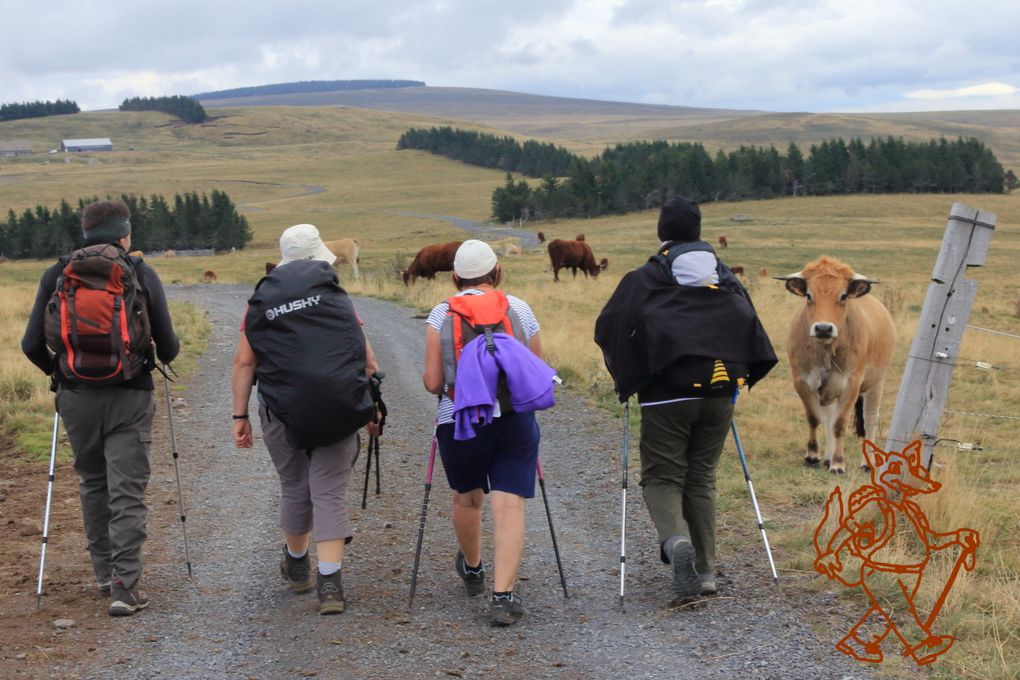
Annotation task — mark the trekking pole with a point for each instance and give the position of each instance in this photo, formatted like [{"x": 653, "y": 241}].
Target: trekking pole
[
  {"x": 754, "y": 501},
  {"x": 552, "y": 531},
  {"x": 46, "y": 518},
  {"x": 177, "y": 469},
  {"x": 623, "y": 513},
  {"x": 421, "y": 523},
  {"x": 375, "y": 383},
  {"x": 368, "y": 468}
]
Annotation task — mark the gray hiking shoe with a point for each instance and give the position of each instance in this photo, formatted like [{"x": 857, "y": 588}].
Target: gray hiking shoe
[
  {"x": 707, "y": 584},
  {"x": 506, "y": 610},
  {"x": 296, "y": 572},
  {"x": 126, "y": 602},
  {"x": 331, "y": 593},
  {"x": 686, "y": 582},
  {"x": 474, "y": 580},
  {"x": 105, "y": 589}
]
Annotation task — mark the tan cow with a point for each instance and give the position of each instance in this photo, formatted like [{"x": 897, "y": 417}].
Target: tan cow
[
  {"x": 346, "y": 250},
  {"x": 840, "y": 345}
]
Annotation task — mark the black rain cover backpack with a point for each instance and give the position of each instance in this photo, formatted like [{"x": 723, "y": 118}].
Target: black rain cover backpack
[{"x": 310, "y": 353}]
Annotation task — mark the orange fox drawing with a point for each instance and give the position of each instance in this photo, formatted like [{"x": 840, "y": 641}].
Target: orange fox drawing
[{"x": 854, "y": 545}]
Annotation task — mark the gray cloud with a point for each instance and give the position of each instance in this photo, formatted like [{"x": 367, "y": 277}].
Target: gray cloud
[{"x": 821, "y": 55}]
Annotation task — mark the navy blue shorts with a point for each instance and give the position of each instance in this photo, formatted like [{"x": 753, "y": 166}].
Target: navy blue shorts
[{"x": 502, "y": 457}]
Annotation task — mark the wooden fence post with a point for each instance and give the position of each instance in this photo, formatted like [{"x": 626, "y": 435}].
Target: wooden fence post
[{"x": 936, "y": 344}]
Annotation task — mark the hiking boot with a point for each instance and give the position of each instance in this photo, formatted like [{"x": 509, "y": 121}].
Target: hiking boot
[
  {"x": 686, "y": 582},
  {"x": 707, "y": 584},
  {"x": 474, "y": 580},
  {"x": 506, "y": 610},
  {"x": 297, "y": 572},
  {"x": 126, "y": 602},
  {"x": 105, "y": 589},
  {"x": 331, "y": 593}
]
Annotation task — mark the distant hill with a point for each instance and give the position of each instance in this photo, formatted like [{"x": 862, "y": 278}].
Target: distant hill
[
  {"x": 588, "y": 125},
  {"x": 305, "y": 86}
]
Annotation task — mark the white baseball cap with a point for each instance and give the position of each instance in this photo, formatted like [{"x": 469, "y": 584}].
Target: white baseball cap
[
  {"x": 302, "y": 242},
  {"x": 474, "y": 259}
]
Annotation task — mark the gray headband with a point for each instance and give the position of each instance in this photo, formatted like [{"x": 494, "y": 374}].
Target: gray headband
[{"x": 109, "y": 231}]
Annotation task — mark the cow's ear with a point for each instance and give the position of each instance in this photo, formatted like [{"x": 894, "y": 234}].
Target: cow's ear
[
  {"x": 858, "y": 286},
  {"x": 796, "y": 285}
]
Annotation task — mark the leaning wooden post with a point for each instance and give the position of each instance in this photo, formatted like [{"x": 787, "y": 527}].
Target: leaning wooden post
[{"x": 936, "y": 344}]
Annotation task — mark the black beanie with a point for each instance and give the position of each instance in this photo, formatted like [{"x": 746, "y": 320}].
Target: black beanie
[{"x": 680, "y": 220}]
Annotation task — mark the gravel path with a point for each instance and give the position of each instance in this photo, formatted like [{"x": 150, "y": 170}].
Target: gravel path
[{"x": 235, "y": 619}]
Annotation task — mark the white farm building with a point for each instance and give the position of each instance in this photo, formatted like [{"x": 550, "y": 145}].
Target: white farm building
[{"x": 99, "y": 144}]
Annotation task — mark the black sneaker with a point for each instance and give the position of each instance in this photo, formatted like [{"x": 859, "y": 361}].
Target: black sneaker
[
  {"x": 506, "y": 610},
  {"x": 331, "y": 593},
  {"x": 474, "y": 580},
  {"x": 297, "y": 572},
  {"x": 686, "y": 582},
  {"x": 126, "y": 602}
]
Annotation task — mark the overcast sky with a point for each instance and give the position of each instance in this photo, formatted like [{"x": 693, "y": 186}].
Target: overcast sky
[{"x": 776, "y": 55}]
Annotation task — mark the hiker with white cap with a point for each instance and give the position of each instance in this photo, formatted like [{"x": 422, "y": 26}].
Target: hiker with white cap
[
  {"x": 303, "y": 341},
  {"x": 486, "y": 447}
]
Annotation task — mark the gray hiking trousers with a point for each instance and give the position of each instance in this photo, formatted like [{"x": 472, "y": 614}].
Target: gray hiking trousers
[
  {"x": 110, "y": 430},
  {"x": 680, "y": 447}
]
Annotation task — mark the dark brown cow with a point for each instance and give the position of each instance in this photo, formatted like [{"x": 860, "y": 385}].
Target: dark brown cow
[
  {"x": 541, "y": 237},
  {"x": 579, "y": 237},
  {"x": 437, "y": 257},
  {"x": 575, "y": 255},
  {"x": 209, "y": 276},
  {"x": 737, "y": 269},
  {"x": 724, "y": 242},
  {"x": 270, "y": 266}
]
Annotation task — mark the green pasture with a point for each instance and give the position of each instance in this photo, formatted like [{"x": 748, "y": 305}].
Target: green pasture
[{"x": 338, "y": 169}]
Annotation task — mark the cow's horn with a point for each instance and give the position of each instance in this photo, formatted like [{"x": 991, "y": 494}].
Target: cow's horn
[
  {"x": 861, "y": 277},
  {"x": 797, "y": 275}
]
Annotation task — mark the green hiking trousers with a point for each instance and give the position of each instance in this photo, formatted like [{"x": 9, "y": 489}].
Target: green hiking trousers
[{"x": 681, "y": 442}]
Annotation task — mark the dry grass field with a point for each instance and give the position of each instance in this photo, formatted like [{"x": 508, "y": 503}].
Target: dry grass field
[{"x": 337, "y": 168}]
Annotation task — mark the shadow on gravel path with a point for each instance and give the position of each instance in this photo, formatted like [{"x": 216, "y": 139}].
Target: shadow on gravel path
[{"x": 235, "y": 619}]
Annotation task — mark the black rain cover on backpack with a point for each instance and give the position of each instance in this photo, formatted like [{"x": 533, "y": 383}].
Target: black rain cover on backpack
[{"x": 310, "y": 353}]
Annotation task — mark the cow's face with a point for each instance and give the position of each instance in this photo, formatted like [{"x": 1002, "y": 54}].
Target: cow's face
[{"x": 826, "y": 285}]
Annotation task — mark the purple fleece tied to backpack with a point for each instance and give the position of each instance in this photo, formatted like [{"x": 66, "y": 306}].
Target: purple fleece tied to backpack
[{"x": 529, "y": 379}]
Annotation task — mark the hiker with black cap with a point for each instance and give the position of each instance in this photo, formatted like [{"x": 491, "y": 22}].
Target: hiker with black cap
[
  {"x": 485, "y": 426},
  {"x": 681, "y": 332},
  {"x": 96, "y": 315},
  {"x": 303, "y": 342}
]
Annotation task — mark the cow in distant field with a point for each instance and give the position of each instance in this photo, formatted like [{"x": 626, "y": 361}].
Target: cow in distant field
[
  {"x": 541, "y": 237},
  {"x": 840, "y": 345},
  {"x": 763, "y": 272},
  {"x": 270, "y": 266},
  {"x": 346, "y": 250},
  {"x": 169, "y": 253},
  {"x": 209, "y": 276},
  {"x": 737, "y": 269},
  {"x": 579, "y": 237},
  {"x": 724, "y": 242},
  {"x": 437, "y": 257},
  {"x": 512, "y": 249},
  {"x": 575, "y": 255},
  {"x": 135, "y": 253}
]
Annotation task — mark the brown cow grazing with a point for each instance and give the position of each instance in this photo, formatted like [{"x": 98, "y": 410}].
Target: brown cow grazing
[
  {"x": 346, "y": 250},
  {"x": 840, "y": 345},
  {"x": 575, "y": 255},
  {"x": 541, "y": 237},
  {"x": 270, "y": 266},
  {"x": 169, "y": 253},
  {"x": 579, "y": 237},
  {"x": 437, "y": 257},
  {"x": 724, "y": 242},
  {"x": 764, "y": 271},
  {"x": 737, "y": 269},
  {"x": 209, "y": 276}
]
